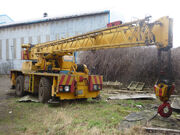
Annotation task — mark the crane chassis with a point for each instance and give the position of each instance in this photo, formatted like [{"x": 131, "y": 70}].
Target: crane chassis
[{"x": 50, "y": 70}]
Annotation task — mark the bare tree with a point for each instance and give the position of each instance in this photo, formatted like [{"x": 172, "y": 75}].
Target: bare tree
[{"x": 129, "y": 64}]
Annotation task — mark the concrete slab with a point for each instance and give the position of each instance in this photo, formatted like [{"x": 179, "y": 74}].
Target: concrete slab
[
  {"x": 28, "y": 99},
  {"x": 134, "y": 96},
  {"x": 176, "y": 103}
]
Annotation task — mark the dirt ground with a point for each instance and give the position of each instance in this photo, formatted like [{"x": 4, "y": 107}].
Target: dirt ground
[
  {"x": 4, "y": 87},
  {"x": 5, "y": 94},
  {"x": 16, "y": 118}
]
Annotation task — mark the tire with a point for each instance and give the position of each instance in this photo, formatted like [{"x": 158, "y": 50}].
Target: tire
[
  {"x": 20, "y": 86},
  {"x": 44, "y": 93},
  {"x": 97, "y": 98}
]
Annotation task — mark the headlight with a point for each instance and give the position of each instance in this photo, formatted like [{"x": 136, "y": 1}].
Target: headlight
[
  {"x": 95, "y": 87},
  {"x": 60, "y": 88},
  {"x": 99, "y": 87},
  {"x": 66, "y": 88}
]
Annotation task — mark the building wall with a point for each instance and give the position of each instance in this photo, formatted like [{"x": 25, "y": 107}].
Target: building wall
[{"x": 11, "y": 38}]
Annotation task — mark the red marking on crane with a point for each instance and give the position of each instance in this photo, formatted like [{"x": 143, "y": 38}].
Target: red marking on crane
[
  {"x": 73, "y": 86},
  {"x": 100, "y": 79},
  {"x": 114, "y": 24},
  {"x": 68, "y": 79},
  {"x": 90, "y": 84},
  {"x": 95, "y": 79},
  {"x": 27, "y": 53},
  {"x": 81, "y": 78},
  {"x": 160, "y": 92},
  {"x": 62, "y": 79}
]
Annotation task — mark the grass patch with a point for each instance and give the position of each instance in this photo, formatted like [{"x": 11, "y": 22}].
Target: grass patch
[{"x": 88, "y": 117}]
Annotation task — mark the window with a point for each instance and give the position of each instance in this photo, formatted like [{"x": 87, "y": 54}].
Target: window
[
  {"x": 30, "y": 40},
  {"x": 14, "y": 45},
  {"x": 68, "y": 58},
  {"x": 47, "y": 38},
  {"x": 39, "y": 39},
  {"x": 57, "y": 36},
  {"x": 22, "y": 40},
  {"x": 7, "y": 49}
]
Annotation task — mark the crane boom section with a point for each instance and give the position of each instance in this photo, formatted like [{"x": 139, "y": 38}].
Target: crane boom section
[{"x": 133, "y": 34}]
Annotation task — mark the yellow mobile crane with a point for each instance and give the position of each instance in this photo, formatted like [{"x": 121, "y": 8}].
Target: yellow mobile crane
[{"x": 51, "y": 71}]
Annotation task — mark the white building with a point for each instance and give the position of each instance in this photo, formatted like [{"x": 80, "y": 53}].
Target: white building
[{"x": 12, "y": 35}]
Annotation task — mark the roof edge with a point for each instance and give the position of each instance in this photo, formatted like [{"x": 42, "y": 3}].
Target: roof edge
[{"x": 48, "y": 19}]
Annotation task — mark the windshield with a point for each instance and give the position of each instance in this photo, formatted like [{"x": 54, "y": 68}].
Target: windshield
[{"x": 68, "y": 58}]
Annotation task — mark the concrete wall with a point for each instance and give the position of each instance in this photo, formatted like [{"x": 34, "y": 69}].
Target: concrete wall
[{"x": 11, "y": 38}]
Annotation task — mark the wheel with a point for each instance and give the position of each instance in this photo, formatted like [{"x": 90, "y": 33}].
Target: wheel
[
  {"x": 97, "y": 98},
  {"x": 20, "y": 86},
  {"x": 44, "y": 90}
]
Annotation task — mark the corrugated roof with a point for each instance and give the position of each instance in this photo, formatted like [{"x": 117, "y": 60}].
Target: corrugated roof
[{"x": 48, "y": 19}]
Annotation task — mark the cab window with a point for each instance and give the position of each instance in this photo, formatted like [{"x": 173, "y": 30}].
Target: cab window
[{"x": 68, "y": 58}]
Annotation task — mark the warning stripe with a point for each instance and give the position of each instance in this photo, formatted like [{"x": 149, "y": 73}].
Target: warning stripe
[
  {"x": 73, "y": 85},
  {"x": 71, "y": 80},
  {"x": 95, "y": 80},
  {"x": 100, "y": 79},
  {"x": 65, "y": 79},
  {"x": 62, "y": 79},
  {"x": 68, "y": 79},
  {"x": 92, "y": 79}
]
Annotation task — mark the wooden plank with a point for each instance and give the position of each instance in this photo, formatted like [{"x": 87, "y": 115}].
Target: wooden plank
[
  {"x": 125, "y": 91},
  {"x": 136, "y": 86},
  {"x": 162, "y": 130},
  {"x": 132, "y": 96}
]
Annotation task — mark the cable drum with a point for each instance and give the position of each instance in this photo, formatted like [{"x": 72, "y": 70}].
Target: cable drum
[{"x": 162, "y": 110}]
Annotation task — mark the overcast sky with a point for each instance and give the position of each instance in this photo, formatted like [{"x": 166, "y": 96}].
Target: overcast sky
[{"x": 125, "y": 10}]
